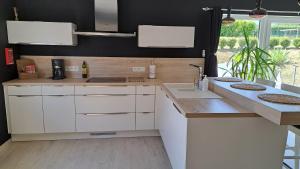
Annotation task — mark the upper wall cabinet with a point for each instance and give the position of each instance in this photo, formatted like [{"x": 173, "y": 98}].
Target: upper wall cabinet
[
  {"x": 41, "y": 33},
  {"x": 166, "y": 36}
]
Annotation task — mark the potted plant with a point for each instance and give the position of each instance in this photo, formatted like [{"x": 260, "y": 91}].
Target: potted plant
[{"x": 251, "y": 62}]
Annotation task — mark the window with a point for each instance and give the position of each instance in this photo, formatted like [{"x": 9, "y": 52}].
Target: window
[
  {"x": 279, "y": 35},
  {"x": 283, "y": 40},
  {"x": 232, "y": 39}
]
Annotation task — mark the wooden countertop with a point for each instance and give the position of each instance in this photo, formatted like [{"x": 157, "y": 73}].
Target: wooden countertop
[
  {"x": 73, "y": 82},
  {"x": 209, "y": 108},
  {"x": 281, "y": 114}
]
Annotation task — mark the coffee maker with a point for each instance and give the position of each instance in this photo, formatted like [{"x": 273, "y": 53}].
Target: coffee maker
[{"x": 58, "y": 69}]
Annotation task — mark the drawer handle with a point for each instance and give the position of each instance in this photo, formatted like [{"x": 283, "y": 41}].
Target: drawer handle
[
  {"x": 101, "y": 114},
  {"x": 177, "y": 108},
  {"x": 107, "y": 86},
  {"x": 24, "y": 85},
  {"x": 146, "y": 112},
  {"x": 105, "y": 95},
  {"x": 55, "y": 86},
  {"x": 57, "y": 95},
  {"x": 26, "y": 96}
]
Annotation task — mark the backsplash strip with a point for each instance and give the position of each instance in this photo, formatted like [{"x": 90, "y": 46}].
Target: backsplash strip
[{"x": 168, "y": 69}]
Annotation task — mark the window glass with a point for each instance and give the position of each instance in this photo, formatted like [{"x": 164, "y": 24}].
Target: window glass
[
  {"x": 284, "y": 47},
  {"x": 232, "y": 40}
]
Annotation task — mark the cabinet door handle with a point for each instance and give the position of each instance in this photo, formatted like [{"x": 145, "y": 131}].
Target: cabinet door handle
[
  {"x": 105, "y": 95},
  {"x": 102, "y": 114},
  {"x": 177, "y": 108}
]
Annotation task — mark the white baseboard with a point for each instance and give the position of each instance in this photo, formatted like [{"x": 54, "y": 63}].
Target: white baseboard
[{"x": 62, "y": 136}]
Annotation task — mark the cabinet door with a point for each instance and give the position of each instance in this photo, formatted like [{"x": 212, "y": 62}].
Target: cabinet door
[
  {"x": 105, "y": 122},
  {"x": 105, "y": 104},
  {"x": 26, "y": 114},
  {"x": 158, "y": 106},
  {"x": 145, "y": 121},
  {"x": 173, "y": 129},
  {"x": 59, "y": 114},
  {"x": 145, "y": 103},
  {"x": 145, "y": 89}
]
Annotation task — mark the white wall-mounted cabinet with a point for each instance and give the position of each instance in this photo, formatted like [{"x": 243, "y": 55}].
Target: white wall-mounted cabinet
[
  {"x": 150, "y": 36},
  {"x": 41, "y": 33}
]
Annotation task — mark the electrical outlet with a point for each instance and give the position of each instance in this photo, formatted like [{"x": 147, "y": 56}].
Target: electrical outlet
[
  {"x": 72, "y": 68},
  {"x": 138, "y": 69}
]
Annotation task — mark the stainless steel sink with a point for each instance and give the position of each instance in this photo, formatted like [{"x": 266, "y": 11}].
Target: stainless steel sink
[{"x": 107, "y": 80}]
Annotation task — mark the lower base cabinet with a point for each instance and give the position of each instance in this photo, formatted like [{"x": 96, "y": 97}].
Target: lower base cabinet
[
  {"x": 26, "y": 114},
  {"x": 173, "y": 130},
  {"x": 105, "y": 122},
  {"x": 145, "y": 121},
  {"x": 59, "y": 114}
]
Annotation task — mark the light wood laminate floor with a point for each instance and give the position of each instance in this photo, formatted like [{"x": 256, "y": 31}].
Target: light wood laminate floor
[{"x": 113, "y": 153}]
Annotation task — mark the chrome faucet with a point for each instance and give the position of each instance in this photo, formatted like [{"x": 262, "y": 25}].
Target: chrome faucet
[{"x": 200, "y": 77}]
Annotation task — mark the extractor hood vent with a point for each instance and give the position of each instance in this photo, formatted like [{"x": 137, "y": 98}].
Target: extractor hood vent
[
  {"x": 106, "y": 20},
  {"x": 106, "y": 15}
]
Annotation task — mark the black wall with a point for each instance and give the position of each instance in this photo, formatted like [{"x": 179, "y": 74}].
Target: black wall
[
  {"x": 7, "y": 72},
  {"x": 131, "y": 14}
]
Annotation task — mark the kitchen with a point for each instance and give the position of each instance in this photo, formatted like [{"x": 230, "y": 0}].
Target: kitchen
[{"x": 114, "y": 84}]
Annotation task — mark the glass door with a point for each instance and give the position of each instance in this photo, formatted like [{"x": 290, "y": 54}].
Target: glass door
[{"x": 283, "y": 41}]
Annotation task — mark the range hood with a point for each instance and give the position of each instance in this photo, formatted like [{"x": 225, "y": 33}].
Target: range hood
[{"x": 106, "y": 20}]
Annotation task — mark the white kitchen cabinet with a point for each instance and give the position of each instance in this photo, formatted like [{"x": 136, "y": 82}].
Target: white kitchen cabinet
[
  {"x": 173, "y": 130},
  {"x": 166, "y": 36},
  {"x": 145, "y": 103},
  {"x": 55, "y": 90},
  {"x": 24, "y": 90},
  {"x": 145, "y": 89},
  {"x": 59, "y": 114},
  {"x": 105, "y": 122},
  {"x": 93, "y": 90},
  {"x": 41, "y": 33},
  {"x": 144, "y": 120},
  {"x": 26, "y": 114},
  {"x": 105, "y": 104}
]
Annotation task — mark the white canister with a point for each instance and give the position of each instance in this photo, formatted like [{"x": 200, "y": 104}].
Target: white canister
[{"x": 152, "y": 71}]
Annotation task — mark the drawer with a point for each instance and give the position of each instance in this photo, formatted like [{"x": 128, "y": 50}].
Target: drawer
[
  {"x": 145, "y": 89},
  {"x": 145, "y": 121},
  {"x": 105, "y": 122},
  {"x": 105, "y": 103},
  {"x": 83, "y": 90},
  {"x": 57, "y": 90},
  {"x": 145, "y": 103},
  {"x": 24, "y": 90}
]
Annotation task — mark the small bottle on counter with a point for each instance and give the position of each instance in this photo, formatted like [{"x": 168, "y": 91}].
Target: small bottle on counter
[
  {"x": 84, "y": 70},
  {"x": 205, "y": 84}
]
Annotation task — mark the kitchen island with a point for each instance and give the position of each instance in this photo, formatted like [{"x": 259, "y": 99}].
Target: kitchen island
[{"x": 216, "y": 133}]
